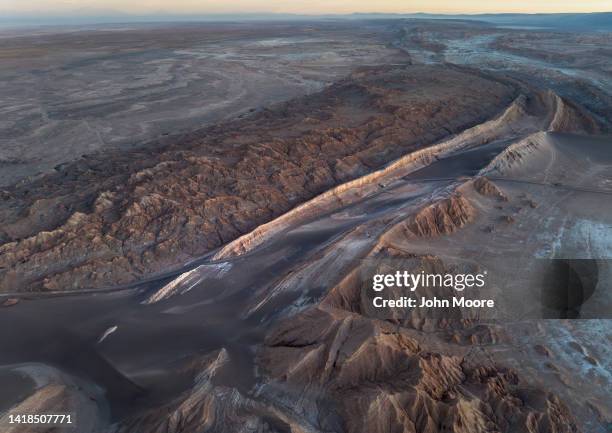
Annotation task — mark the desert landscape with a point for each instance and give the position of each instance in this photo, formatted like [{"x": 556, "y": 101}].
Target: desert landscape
[{"x": 190, "y": 215}]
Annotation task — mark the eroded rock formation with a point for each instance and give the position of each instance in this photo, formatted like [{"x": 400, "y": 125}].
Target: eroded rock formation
[{"x": 112, "y": 218}]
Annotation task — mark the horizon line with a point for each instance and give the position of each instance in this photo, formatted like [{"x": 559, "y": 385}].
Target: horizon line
[
  {"x": 82, "y": 13},
  {"x": 113, "y": 17}
]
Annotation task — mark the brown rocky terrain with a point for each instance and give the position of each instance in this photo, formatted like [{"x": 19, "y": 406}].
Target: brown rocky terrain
[
  {"x": 112, "y": 218},
  {"x": 428, "y": 169},
  {"x": 384, "y": 381},
  {"x": 443, "y": 217},
  {"x": 306, "y": 351}
]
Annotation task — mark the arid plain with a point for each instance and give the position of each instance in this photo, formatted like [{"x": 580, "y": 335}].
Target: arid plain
[{"x": 190, "y": 214}]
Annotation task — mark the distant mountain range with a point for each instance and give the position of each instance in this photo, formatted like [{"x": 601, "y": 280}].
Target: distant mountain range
[
  {"x": 597, "y": 21},
  {"x": 582, "y": 21}
]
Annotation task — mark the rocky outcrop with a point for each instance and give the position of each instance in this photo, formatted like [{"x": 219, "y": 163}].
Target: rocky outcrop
[
  {"x": 204, "y": 408},
  {"x": 485, "y": 187},
  {"x": 568, "y": 117},
  {"x": 54, "y": 393},
  {"x": 442, "y": 218},
  {"x": 382, "y": 380},
  {"x": 212, "y": 408},
  {"x": 515, "y": 154}
]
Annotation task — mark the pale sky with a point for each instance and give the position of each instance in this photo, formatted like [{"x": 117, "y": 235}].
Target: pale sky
[{"x": 301, "y": 6}]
